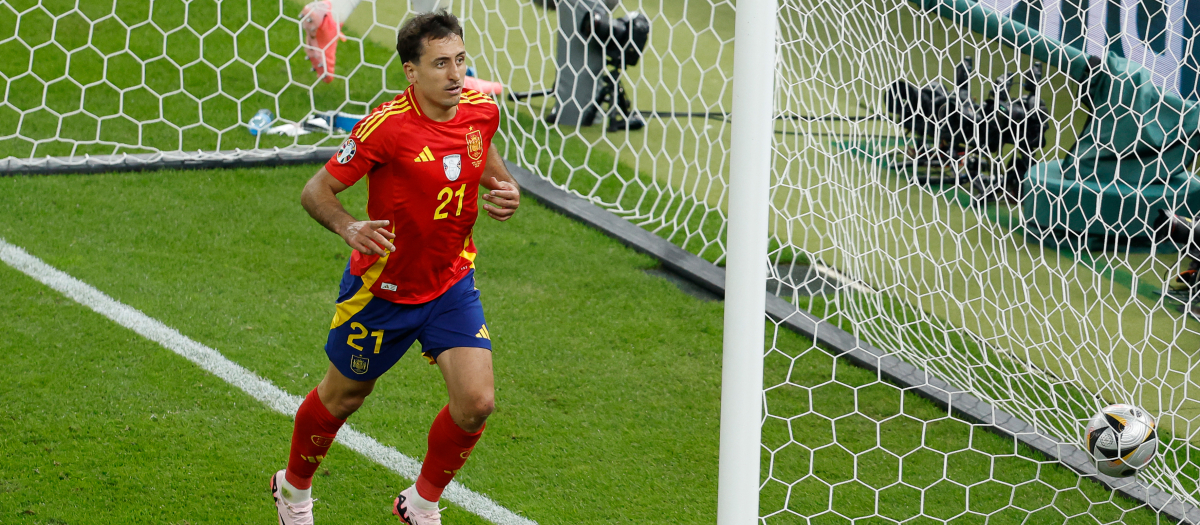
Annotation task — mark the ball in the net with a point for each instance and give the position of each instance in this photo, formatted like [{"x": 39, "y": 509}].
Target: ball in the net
[{"x": 1121, "y": 440}]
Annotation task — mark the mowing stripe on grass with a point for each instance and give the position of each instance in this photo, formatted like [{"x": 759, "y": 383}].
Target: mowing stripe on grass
[{"x": 233, "y": 373}]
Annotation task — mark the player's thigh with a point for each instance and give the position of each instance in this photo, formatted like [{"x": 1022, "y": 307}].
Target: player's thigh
[
  {"x": 469, "y": 376},
  {"x": 458, "y": 340},
  {"x": 456, "y": 321},
  {"x": 335, "y": 387}
]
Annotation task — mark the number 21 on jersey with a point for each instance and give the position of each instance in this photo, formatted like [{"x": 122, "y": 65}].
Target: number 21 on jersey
[{"x": 447, "y": 195}]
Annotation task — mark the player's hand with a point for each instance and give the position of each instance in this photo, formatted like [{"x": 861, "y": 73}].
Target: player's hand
[
  {"x": 369, "y": 237},
  {"x": 502, "y": 200}
]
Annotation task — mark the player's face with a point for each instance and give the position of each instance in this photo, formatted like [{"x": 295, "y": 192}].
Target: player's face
[{"x": 438, "y": 74}]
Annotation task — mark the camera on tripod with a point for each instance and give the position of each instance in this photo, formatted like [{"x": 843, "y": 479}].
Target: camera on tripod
[
  {"x": 953, "y": 130},
  {"x": 624, "y": 41}
]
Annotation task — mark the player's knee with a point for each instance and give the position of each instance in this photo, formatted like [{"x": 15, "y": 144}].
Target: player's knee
[
  {"x": 341, "y": 406},
  {"x": 350, "y": 404},
  {"x": 484, "y": 407},
  {"x": 477, "y": 409}
]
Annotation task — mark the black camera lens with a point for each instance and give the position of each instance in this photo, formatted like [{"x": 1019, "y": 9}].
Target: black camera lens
[{"x": 623, "y": 39}]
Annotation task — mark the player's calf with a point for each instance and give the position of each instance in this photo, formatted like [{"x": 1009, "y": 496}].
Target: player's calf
[
  {"x": 312, "y": 435},
  {"x": 449, "y": 447}
]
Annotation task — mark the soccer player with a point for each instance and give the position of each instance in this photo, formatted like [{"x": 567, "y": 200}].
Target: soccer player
[
  {"x": 411, "y": 274},
  {"x": 321, "y": 21}
]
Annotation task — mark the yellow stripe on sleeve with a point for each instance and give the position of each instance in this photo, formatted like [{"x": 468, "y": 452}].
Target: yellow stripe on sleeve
[
  {"x": 476, "y": 97},
  {"x": 367, "y": 125},
  {"x": 374, "y": 116},
  {"x": 367, "y": 132}
]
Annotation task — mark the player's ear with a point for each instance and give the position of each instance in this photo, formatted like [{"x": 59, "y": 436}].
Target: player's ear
[{"x": 410, "y": 72}]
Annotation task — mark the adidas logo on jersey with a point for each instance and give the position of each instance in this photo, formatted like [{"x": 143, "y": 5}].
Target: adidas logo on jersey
[
  {"x": 484, "y": 334},
  {"x": 425, "y": 155}
]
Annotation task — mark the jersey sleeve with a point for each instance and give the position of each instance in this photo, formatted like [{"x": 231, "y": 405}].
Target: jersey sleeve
[
  {"x": 493, "y": 120},
  {"x": 356, "y": 157}
]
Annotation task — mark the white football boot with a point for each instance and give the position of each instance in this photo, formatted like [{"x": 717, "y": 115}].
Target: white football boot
[{"x": 290, "y": 513}]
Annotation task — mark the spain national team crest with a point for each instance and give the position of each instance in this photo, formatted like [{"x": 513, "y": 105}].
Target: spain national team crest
[
  {"x": 475, "y": 144},
  {"x": 346, "y": 152},
  {"x": 453, "y": 166},
  {"x": 359, "y": 364}
]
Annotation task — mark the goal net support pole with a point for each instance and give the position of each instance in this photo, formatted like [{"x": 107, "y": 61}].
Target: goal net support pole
[{"x": 745, "y": 285}]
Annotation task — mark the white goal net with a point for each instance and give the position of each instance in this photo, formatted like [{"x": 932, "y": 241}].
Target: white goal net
[
  {"x": 1000, "y": 206},
  {"x": 923, "y": 200},
  {"x": 954, "y": 184}
]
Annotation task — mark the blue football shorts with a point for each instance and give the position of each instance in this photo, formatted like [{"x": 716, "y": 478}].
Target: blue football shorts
[{"x": 370, "y": 341}]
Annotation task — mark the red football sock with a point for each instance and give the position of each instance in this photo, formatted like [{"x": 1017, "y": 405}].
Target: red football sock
[
  {"x": 449, "y": 448},
  {"x": 311, "y": 438}
]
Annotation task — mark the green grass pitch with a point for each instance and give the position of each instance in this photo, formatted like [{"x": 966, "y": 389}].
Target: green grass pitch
[{"x": 607, "y": 379}]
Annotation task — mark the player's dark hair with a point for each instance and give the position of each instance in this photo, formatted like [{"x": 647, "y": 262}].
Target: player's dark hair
[{"x": 410, "y": 40}]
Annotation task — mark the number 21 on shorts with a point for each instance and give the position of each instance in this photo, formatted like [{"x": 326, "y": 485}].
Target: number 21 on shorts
[{"x": 361, "y": 332}]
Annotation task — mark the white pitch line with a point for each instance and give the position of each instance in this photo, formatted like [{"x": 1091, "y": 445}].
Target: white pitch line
[{"x": 233, "y": 373}]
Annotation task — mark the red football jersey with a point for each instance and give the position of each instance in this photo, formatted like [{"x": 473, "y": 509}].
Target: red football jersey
[{"x": 423, "y": 176}]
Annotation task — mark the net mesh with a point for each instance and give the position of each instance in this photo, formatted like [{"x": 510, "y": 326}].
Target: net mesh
[
  {"x": 105, "y": 77},
  {"x": 924, "y": 195},
  {"x": 667, "y": 177},
  {"x": 910, "y": 235},
  {"x": 906, "y": 227}
]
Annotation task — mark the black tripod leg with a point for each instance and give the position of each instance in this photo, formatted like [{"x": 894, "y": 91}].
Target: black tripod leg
[{"x": 624, "y": 118}]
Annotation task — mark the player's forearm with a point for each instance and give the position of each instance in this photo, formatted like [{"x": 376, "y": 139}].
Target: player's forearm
[
  {"x": 495, "y": 168},
  {"x": 322, "y": 205}
]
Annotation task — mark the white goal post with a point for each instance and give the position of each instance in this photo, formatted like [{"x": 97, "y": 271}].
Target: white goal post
[{"x": 746, "y": 275}]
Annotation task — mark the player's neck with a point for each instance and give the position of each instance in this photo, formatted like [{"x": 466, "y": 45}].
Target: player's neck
[{"x": 434, "y": 111}]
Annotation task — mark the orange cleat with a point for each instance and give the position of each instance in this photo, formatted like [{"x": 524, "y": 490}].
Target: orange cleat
[{"x": 321, "y": 35}]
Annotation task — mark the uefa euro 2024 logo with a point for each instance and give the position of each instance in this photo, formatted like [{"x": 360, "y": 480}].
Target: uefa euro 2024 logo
[{"x": 452, "y": 164}]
